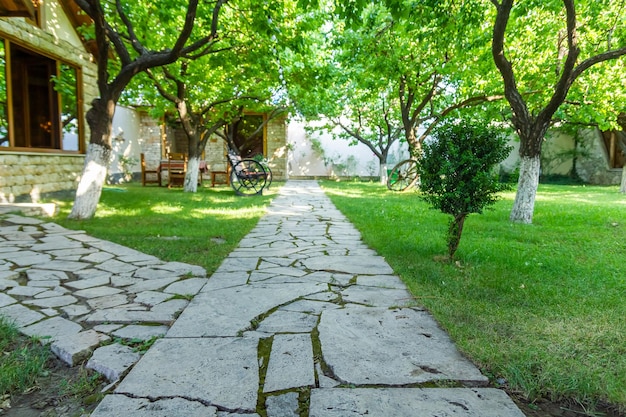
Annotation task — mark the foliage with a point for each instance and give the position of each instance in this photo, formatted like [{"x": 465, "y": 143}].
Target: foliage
[
  {"x": 197, "y": 228},
  {"x": 536, "y": 308},
  {"x": 457, "y": 173},
  {"x": 22, "y": 360}
]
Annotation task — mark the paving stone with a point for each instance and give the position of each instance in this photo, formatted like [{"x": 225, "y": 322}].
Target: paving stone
[
  {"x": 120, "y": 405},
  {"x": 372, "y": 265},
  {"x": 119, "y": 315},
  {"x": 27, "y": 258},
  {"x": 6, "y": 300},
  {"x": 172, "y": 307},
  {"x": 95, "y": 292},
  {"x": 115, "y": 266},
  {"x": 57, "y": 292},
  {"x": 138, "y": 258},
  {"x": 56, "y": 265},
  {"x": 51, "y": 243},
  {"x": 180, "y": 269},
  {"x": 138, "y": 332},
  {"x": 75, "y": 348},
  {"x": 107, "y": 328},
  {"x": 52, "y": 283},
  {"x": 222, "y": 371},
  {"x": 366, "y": 346},
  {"x": 50, "y": 302},
  {"x": 382, "y": 281},
  {"x": 291, "y": 363},
  {"x": 124, "y": 281},
  {"x": 26, "y": 291},
  {"x": 108, "y": 301},
  {"x": 220, "y": 280},
  {"x": 44, "y": 275},
  {"x": 309, "y": 306},
  {"x": 378, "y": 297},
  {"x": 288, "y": 322},
  {"x": 15, "y": 219},
  {"x": 74, "y": 252},
  {"x": 7, "y": 283},
  {"x": 113, "y": 360},
  {"x": 285, "y": 405},
  {"x": 9, "y": 275},
  {"x": 227, "y": 312},
  {"x": 410, "y": 402},
  {"x": 323, "y": 380},
  {"x": 20, "y": 315},
  {"x": 50, "y": 312},
  {"x": 154, "y": 274},
  {"x": 91, "y": 273},
  {"x": 191, "y": 286},
  {"x": 53, "y": 329},
  {"x": 151, "y": 284},
  {"x": 151, "y": 298},
  {"x": 96, "y": 257},
  {"x": 82, "y": 284},
  {"x": 75, "y": 310}
]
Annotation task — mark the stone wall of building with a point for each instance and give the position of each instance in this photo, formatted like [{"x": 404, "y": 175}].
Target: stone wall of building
[
  {"x": 25, "y": 176},
  {"x": 275, "y": 144},
  {"x": 277, "y": 147}
]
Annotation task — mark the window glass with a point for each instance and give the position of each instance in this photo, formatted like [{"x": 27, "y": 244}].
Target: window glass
[
  {"x": 67, "y": 88},
  {"x": 43, "y": 94}
]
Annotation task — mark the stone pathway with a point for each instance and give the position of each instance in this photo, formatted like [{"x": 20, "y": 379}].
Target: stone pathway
[{"x": 302, "y": 319}]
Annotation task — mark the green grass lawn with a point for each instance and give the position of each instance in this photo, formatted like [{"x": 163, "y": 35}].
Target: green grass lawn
[
  {"x": 199, "y": 228},
  {"x": 541, "y": 306}
]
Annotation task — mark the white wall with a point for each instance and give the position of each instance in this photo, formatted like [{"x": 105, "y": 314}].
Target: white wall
[
  {"x": 125, "y": 139},
  {"x": 341, "y": 158}
]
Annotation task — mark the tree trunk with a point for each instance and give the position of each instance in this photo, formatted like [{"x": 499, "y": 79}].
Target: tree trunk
[
  {"x": 622, "y": 188},
  {"x": 90, "y": 186},
  {"x": 524, "y": 204},
  {"x": 191, "y": 177},
  {"x": 97, "y": 160},
  {"x": 383, "y": 172},
  {"x": 454, "y": 233}
]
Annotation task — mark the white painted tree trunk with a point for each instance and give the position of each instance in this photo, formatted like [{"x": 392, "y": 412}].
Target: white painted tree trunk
[
  {"x": 383, "y": 173},
  {"x": 191, "y": 177},
  {"x": 97, "y": 161},
  {"x": 622, "y": 188},
  {"x": 524, "y": 205}
]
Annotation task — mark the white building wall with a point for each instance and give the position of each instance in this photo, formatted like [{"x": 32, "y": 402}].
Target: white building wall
[{"x": 314, "y": 153}]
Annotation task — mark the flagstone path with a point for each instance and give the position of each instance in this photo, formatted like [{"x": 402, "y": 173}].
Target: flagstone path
[{"x": 302, "y": 319}]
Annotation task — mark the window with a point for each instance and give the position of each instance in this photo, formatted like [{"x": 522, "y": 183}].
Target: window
[{"x": 39, "y": 101}]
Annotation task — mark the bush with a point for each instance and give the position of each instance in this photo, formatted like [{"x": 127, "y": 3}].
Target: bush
[{"x": 457, "y": 174}]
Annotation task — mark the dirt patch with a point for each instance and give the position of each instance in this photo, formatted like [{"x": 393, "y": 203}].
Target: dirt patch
[
  {"x": 561, "y": 409},
  {"x": 50, "y": 397}
]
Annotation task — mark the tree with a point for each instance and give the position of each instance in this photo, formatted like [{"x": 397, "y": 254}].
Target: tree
[
  {"x": 130, "y": 39},
  {"x": 406, "y": 66},
  {"x": 456, "y": 172},
  {"x": 536, "y": 91}
]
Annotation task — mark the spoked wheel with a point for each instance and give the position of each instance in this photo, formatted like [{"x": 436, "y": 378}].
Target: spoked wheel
[
  {"x": 403, "y": 176},
  {"x": 248, "y": 177}
]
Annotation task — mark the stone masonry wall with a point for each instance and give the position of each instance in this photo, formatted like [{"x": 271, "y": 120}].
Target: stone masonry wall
[
  {"x": 24, "y": 176},
  {"x": 27, "y": 177},
  {"x": 276, "y": 145},
  {"x": 277, "y": 149}
]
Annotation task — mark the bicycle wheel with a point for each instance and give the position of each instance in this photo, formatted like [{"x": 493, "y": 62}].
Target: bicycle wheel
[
  {"x": 403, "y": 176},
  {"x": 248, "y": 177}
]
